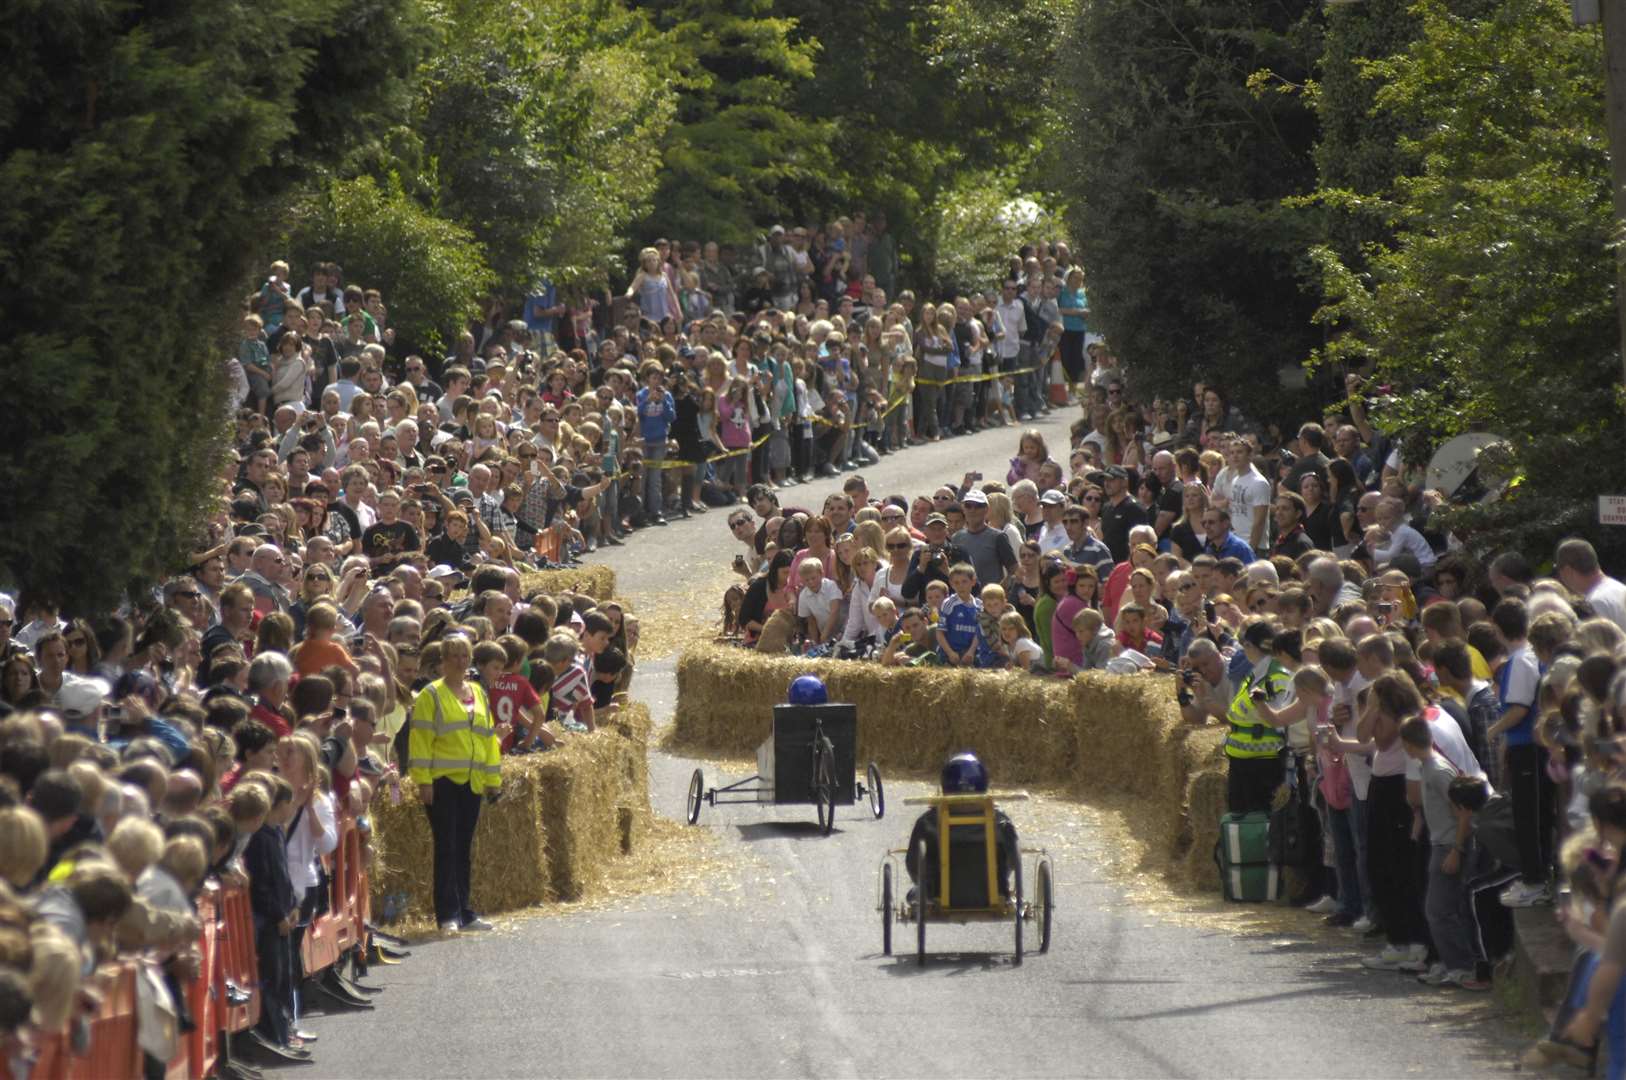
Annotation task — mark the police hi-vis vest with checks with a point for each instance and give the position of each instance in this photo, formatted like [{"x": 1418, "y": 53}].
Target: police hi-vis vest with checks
[
  {"x": 1249, "y": 736},
  {"x": 445, "y": 740}
]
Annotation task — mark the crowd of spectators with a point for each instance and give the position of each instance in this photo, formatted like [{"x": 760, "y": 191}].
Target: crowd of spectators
[{"x": 1434, "y": 724}]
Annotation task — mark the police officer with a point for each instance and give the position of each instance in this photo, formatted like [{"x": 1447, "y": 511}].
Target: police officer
[{"x": 1254, "y": 743}]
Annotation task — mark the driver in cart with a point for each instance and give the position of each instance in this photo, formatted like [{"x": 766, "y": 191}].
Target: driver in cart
[{"x": 963, "y": 774}]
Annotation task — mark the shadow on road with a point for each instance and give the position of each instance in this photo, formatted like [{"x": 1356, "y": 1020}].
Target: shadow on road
[
  {"x": 781, "y": 830},
  {"x": 952, "y": 963}
]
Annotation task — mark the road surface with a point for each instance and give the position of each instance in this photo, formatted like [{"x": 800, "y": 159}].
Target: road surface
[{"x": 773, "y": 967}]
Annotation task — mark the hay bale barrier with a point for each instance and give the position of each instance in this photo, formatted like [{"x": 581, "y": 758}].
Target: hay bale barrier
[
  {"x": 587, "y": 580},
  {"x": 562, "y": 818},
  {"x": 1095, "y": 736}
]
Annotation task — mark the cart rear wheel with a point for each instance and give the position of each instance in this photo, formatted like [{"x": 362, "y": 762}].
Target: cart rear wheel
[
  {"x": 877, "y": 794},
  {"x": 697, "y": 794},
  {"x": 1047, "y": 906},
  {"x": 886, "y": 909},
  {"x": 1018, "y": 919},
  {"x": 920, "y": 904},
  {"x": 824, "y": 784}
]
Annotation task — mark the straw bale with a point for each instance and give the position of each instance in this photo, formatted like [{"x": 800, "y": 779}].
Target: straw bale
[
  {"x": 592, "y": 580},
  {"x": 509, "y": 867},
  {"x": 562, "y": 817},
  {"x": 1113, "y": 738},
  {"x": 590, "y": 805},
  {"x": 1205, "y": 805}
]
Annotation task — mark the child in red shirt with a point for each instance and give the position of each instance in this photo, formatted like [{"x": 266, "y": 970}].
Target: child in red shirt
[{"x": 515, "y": 706}]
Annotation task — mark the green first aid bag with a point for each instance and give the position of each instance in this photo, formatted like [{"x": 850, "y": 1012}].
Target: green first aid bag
[{"x": 1243, "y": 855}]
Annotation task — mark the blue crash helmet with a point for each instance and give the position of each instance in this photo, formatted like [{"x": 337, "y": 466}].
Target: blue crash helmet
[
  {"x": 964, "y": 774},
  {"x": 807, "y": 690}
]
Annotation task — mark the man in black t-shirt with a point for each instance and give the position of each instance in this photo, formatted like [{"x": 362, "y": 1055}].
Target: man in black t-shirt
[
  {"x": 1119, "y": 512},
  {"x": 1170, "y": 500},
  {"x": 389, "y": 540}
]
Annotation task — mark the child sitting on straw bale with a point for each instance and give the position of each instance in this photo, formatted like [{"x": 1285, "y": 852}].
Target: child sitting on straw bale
[
  {"x": 1100, "y": 644},
  {"x": 514, "y": 703},
  {"x": 1021, "y": 650},
  {"x": 570, "y": 698},
  {"x": 991, "y": 650},
  {"x": 936, "y": 593},
  {"x": 819, "y": 605},
  {"x": 886, "y": 614}
]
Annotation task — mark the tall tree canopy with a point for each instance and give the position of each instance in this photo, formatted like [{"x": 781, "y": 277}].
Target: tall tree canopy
[
  {"x": 143, "y": 150},
  {"x": 737, "y": 143},
  {"x": 1492, "y": 309},
  {"x": 1175, "y": 169}
]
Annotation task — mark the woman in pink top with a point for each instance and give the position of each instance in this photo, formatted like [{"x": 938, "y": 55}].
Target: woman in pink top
[
  {"x": 1082, "y": 586},
  {"x": 819, "y": 546}
]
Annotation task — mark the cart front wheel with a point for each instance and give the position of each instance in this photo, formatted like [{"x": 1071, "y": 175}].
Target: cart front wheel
[
  {"x": 697, "y": 794},
  {"x": 921, "y": 888},
  {"x": 1018, "y": 920},
  {"x": 886, "y": 910},
  {"x": 1047, "y": 906},
  {"x": 877, "y": 794},
  {"x": 824, "y": 784}
]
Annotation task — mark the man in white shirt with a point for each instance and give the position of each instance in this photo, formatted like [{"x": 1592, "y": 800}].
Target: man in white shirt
[
  {"x": 1053, "y": 533},
  {"x": 1011, "y": 321},
  {"x": 1247, "y": 493},
  {"x": 1577, "y": 566}
]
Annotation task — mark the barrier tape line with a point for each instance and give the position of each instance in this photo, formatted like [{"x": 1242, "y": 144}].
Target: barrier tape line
[{"x": 679, "y": 463}]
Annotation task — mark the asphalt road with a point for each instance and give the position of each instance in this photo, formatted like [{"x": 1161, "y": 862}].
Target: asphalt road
[{"x": 773, "y": 966}]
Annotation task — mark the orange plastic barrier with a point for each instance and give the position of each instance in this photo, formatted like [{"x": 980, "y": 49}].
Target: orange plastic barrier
[
  {"x": 227, "y": 946},
  {"x": 342, "y": 925}
]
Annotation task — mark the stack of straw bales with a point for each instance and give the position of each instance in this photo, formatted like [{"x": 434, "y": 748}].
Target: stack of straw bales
[
  {"x": 1099, "y": 735},
  {"x": 591, "y": 580},
  {"x": 563, "y": 816}
]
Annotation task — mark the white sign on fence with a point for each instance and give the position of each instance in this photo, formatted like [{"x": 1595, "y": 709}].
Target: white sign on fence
[{"x": 1612, "y": 509}]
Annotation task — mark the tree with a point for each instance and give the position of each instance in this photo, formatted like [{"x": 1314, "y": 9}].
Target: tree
[
  {"x": 142, "y": 149},
  {"x": 737, "y": 144},
  {"x": 919, "y": 96},
  {"x": 539, "y": 122},
  {"x": 1493, "y": 309},
  {"x": 433, "y": 271},
  {"x": 1359, "y": 155},
  {"x": 976, "y": 226},
  {"x": 1174, "y": 171}
]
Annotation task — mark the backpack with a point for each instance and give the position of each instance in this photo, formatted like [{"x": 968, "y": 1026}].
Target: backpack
[{"x": 1248, "y": 874}]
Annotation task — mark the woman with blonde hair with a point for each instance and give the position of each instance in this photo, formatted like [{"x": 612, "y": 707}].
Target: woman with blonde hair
[
  {"x": 1000, "y": 513},
  {"x": 936, "y": 344},
  {"x": 900, "y": 547}
]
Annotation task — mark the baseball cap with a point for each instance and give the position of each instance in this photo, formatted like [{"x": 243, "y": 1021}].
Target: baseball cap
[
  {"x": 442, "y": 571},
  {"x": 974, "y": 497},
  {"x": 1116, "y": 472},
  {"x": 1053, "y": 497},
  {"x": 80, "y": 696},
  {"x": 936, "y": 519}
]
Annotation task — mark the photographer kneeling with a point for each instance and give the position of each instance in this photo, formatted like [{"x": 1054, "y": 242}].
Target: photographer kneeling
[{"x": 1205, "y": 690}]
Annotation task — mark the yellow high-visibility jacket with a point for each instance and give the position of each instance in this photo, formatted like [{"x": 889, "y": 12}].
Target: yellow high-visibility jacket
[{"x": 446, "y": 740}]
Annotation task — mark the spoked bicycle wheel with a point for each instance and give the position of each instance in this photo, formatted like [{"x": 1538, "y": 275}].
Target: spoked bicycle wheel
[
  {"x": 697, "y": 794},
  {"x": 877, "y": 794},
  {"x": 824, "y": 783},
  {"x": 886, "y": 910},
  {"x": 1047, "y": 905},
  {"x": 1018, "y": 919}
]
